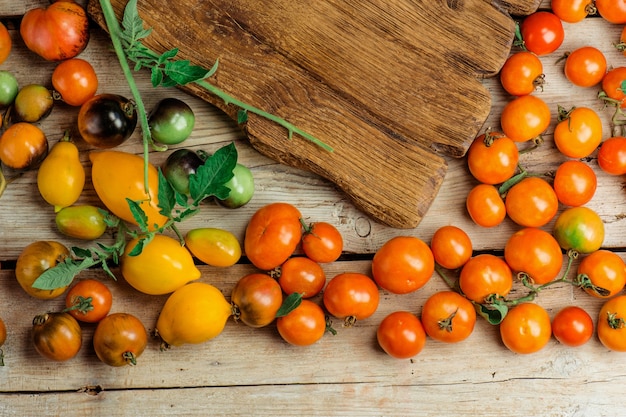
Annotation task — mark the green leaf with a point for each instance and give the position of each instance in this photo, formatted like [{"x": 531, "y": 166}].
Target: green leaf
[
  {"x": 81, "y": 252},
  {"x": 138, "y": 214},
  {"x": 133, "y": 24},
  {"x": 182, "y": 72},
  {"x": 141, "y": 243},
  {"x": 167, "y": 196},
  {"x": 493, "y": 313},
  {"x": 210, "y": 177},
  {"x": 156, "y": 76},
  {"x": 62, "y": 274},
  {"x": 167, "y": 55},
  {"x": 290, "y": 303},
  {"x": 242, "y": 116}
]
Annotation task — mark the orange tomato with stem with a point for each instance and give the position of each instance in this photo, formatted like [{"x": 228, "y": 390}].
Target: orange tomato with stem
[
  {"x": 522, "y": 73},
  {"x": 578, "y": 132},
  {"x": 611, "y": 327},
  {"x": 534, "y": 252},
  {"x": 485, "y": 275},
  {"x": 613, "y": 84},
  {"x": 602, "y": 274},
  {"x": 75, "y": 81},
  {"x": 322, "y": 242},
  {"x": 351, "y": 296},
  {"x": 572, "y": 11},
  {"x": 304, "y": 325},
  {"x": 492, "y": 158},
  {"x": 448, "y": 317}
]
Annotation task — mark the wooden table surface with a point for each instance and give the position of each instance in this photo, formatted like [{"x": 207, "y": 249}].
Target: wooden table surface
[{"x": 249, "y": 371}]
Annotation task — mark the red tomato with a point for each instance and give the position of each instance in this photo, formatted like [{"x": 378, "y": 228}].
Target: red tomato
[
  {"x": 614, "y": 11},
  {"x": 602, "y": 274},
  {"x": 304, "y": 325},
  {"x": 542, "y": 32},
  {"x": 485, "y": 206},
  {"x": 89, "y": 300},
  {"x": 401, "y": 335},
  {"x": 492, "y": 158},
  {"x": 448, "y": 317},
  {"x": 301, "y": 275},
  {"x": 579, "y": 229},
  {"x": 322, "y": 242},
  {"x": 585, "y": 66},
  {"x": 613, "y": 84},
  {"x": 531, "y": 202},
  {"x": 526, "y": 328},
  {"x": 522, "y": 73},
  {"x": 572, "y": 11},
  {"x": 611, "y": 327},
  {"x": 575, "y": 183},
  {"x": 403, "y": 264},
  {"x": 612, "y": 155},
  {"x": 485, "y": 275},
  {"x": 451, "y": 247},
  {"x": 272, "y": 235},
  {"x": 525, "y": 118},
  {"x": 578, "y": 132},
  {"x": 257, "y": 298},
  {"x": 534, "y": 252},
  {"x": 75, "y": 80},
  {"x": 351, "y": 296},
  {"x": 572, "y": 326}
]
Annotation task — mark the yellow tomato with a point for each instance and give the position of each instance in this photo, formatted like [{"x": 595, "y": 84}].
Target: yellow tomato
[
  {"x": 215, "y": 247},
  {"x": 163, "y": 266},
  {"x": 61, "y": 176},
  {"x": 81, "y": 222},
  {"x": 194, "y": 313}
]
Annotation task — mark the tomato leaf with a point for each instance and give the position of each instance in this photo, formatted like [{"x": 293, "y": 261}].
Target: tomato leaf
[
  {"x": 290, "y": 303},
  {"x": 167, "y": 197},
  {"x": 182, "y": 72},
  {"x": 493, "y": 313},
  {"x": 210, "y": 177},
  {"x": 138, "y": 214},
  {"x": 63, "y": 273}
]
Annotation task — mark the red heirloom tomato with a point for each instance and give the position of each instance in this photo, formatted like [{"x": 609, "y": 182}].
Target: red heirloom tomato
[
  {"x": 75, "y": 80},
  {"x": 401, "y": 335},
  {"x": 485, "y": 206},
  {"x": 57, "y": 336},
  {"x": 542, "y": 32},
  {"x": 534, "y": 252},
  {"x": 574, "y": 183},
  {"x": 351, "y": 296},
  {"x": 58, "y": 32},
  {"x": 119, "y": 339},
  {"x": 257, "y": 298},
  {"x": 612, "y": 84},
  {"x": 572, "y": 326},
  {"x": 301, "y": 275},
  {"x": 403, "y": 264},
  {"x": 525, "y": 118},
  {"x": 585, "y": 66},
  {"x": 451, "y": 247},
  {"x": 526, "y": 328},
  {"x": 580, "y": 229},
  {"x": 522, "y": 73},
  {"x": 272, "y": 235},
  {"x": 602, "y": 273},
  {"x": 611, "y": 327},
  {"x": 612, "y": 155},
  {"x": 322, "y": 242},
  {"x": 484, "y": 275},
  {"x": 613, "y": 11},
  {"x": 531, "y": 202},
  {"x": 572, "y": 11},
  {"x": 89, "y": 300},
  {"x": 578, "y": 132},
  {"x": 448, "y": 317},
  {"x": 492, "y": 158},
  {"x": 304, "y": 325}
]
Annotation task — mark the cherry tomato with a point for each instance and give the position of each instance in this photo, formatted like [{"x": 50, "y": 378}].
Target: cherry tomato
[
  {"x": 304, "y": 325},
  {"x": 23, "y": 146},
  {"x": 542, "y": 32},
  {"x": 241, "y": 187},
  {"x": 578, "y": 132},
  {"x": 401, "y": 335},
  {"x": 403, "y": 264},
  {"x": 107, "y": 120},
  {"x": 451, "y": 247},
  {"x": 534, "y": 252},
  {"x": 580, "y": 229},
  {"x": 171, "y": 121},
  {"x": 572, "y": 326},
  {"x": 611, "y": 327},
  {"x": 89, "y": 300},
  {"x": 585, "y": 66},
  {"x": 32, "y": 103},
  {"x": 531, "y": 202},
  {"x": 572, "y": 11},
  {"x": 492, "y": 158},
  {"x": 322, "y": 242},
  {"x": 58, "y": 32},
  {"x": 257, "y": 298},
  {"x": 485, "y": 206},
  {"x": 75, "y": 80},
  {"x": 602, "y": 273},
  {"x": 613, "y": 85},
  {"x": 272, "y": 235},
  {"x": 612, "y": 155},
  {"x": 56, "y": 336},
  {"x": 522, "y": 73},
  {"x": 34, "y": 260},
  {"x": 5, "y": 43},
  {"x": 9, "y": 88},
  {"x": 448, "y": 317},
  {"x": 525, "y": 118},
  {"x": 575, "y": 183},
  {"x": 613, "y": 11},
  {"x": 179, "y": 165},
  {"x": 119, "y": 339},
  {"x": 484, "y": 275},
  {"x": 301, "y": 275},
  {"x": 351, "y": 296},
  {"x": 526, "y": 328}
]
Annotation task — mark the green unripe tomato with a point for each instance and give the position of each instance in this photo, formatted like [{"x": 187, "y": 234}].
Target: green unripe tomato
[
  {"x": 81, "y": 222},
  {"x": 171, "y": 121},
  {"x": 8, "y": 88},
  {"x": 241, "y": 188},
  {"x": 178, "y": 166}
]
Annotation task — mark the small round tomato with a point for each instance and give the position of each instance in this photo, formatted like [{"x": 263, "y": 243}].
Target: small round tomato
[
  {"x": 56, "y": 336},
  {"x": 485, "y": 275},
  {"x": 612, "y": 155},
  {"x": 611, "y": 327},
  {"x": 5, "y": 43},
  {"x": 448, "y": 317},
  {"x": 119, "y": 339},
  {"x": 34, "y": 260},
  {"x": 272, "y": 235},
  {"x": 351, "y": 296},
  {"x": 32, "y": 103},
  {"x": 613, "y": 85},
  {"x": 322, "y": 242},
  {"x": 572, "y": 11},
  {"x": 485, "y": 206},
  {"x": 241, "y": 187},
  {"x": 213, "y": 246},
  {"x": 534, "y": 252},
  {"x": 451, "y": 247},
  {"x": 89, "y": 300},
  {"x": 23, "y": 146},
  {"x": 492, "y": 158},
  {"x": 107, "y": 120},
  {"x": 301, "y": 275},
  {"x": 401, "y": 335},
  {"x": 572, "y": 326},
  {"x": 9, "y": 88},
  {"x": 403, "y": 264},
  {"x": 542, "y": 32},
  {"x": 179, "y": 165},
  {"x": 531, "y": 202},
  {"x": 575, "y": 183},
  {"x": 304, "y": 325},
  {"x": 522, "y": 73},
  {"x": 526, "y": 328},
  {"x": 75, "y": 81},
  {"x": 525, "y": 118},
  {"x": 171, "y": 121},
  {"x": 585, "y": 66},
  {"x": 602, "y": 274},
  {"x": 579, "y": 229},
  {"x": 256, "y": 299},
  {"x": 578, "y": 132},
  {"x": 613, "y": 11}
]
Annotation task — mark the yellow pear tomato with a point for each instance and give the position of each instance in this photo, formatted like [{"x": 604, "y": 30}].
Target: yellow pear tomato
[
  {"x": 215, "y": 247},
  {"x": 61, "y": 176}
]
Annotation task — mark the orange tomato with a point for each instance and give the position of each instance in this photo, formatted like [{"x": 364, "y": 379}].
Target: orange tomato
[
  {"x": 532, "y": 202},
  {"x": 448, "y": 317},
  {"x": 585, "y": 66},
  {"x": 534, "y": 252},
  {"x": 451, "y": 247},
  {"x": 485, "y": 275},
  {"x": 525, "y": 118},
  {"x": 485, "y": 206},
  {"x": 578, "y": 132},
  {"x": 5, "y": 43},
  {"x": 492, "y": 158},
  {"x": 574, "y": 183},
  {"x": 526, "y": 328},
  {"x": 522, "y": 73},
  {"x": 23, "y": 146},
  {"x": 351, "y": 296}
]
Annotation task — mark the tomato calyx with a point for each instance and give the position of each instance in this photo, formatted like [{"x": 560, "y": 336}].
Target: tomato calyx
[
  {"x": 614, "y": 321},
  {"x": 82, "y": 304},
  {"x": 446, "y": 324},
  {"x": 130, "y": 358},
  {"x": 584, "y": 282}
]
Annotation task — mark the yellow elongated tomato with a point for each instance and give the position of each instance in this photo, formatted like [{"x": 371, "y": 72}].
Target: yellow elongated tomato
[
  {"x": 36, "y": 258},
  {"x": 81, "y": 222},
  {"x": 162, "y": 267},
  {"x": 117, "y": 176},
  {"x": 194, "y": 313},
  {"x": 61, "y": 176},
  {"x": 215, "y": 247}
]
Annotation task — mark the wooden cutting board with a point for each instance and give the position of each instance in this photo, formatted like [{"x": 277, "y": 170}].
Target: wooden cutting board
[{"x": 392, "y": 85}]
